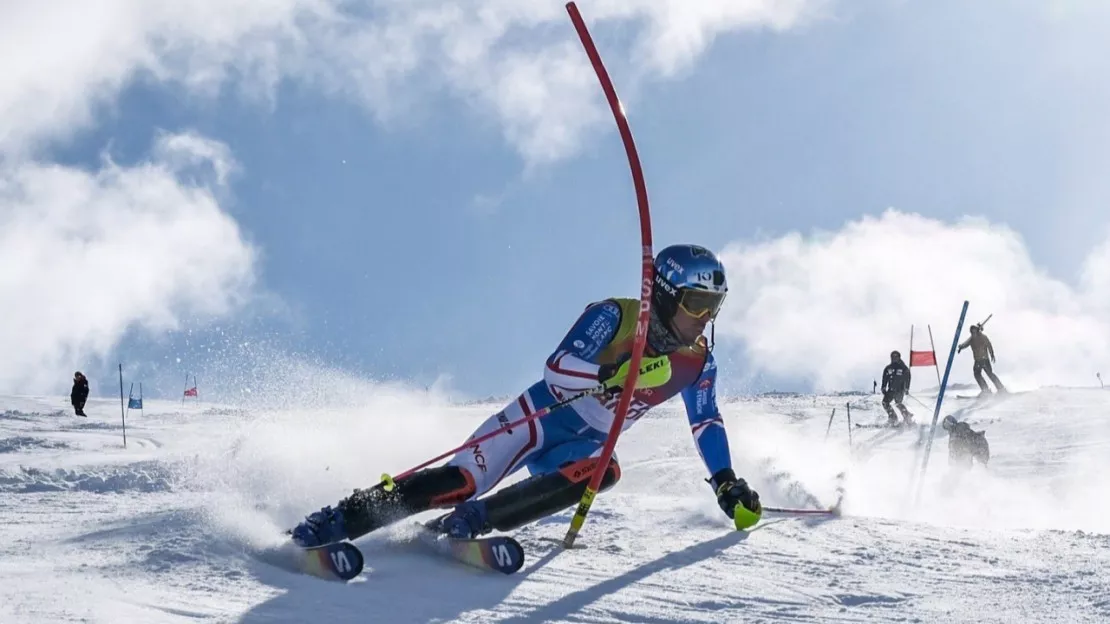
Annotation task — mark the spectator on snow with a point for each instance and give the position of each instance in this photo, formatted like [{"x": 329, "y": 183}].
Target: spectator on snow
[
  {"x": 79, "y": 394},
  {"x": 983, "y": 352},
  {"x": 896, "y": 383},
  {"x": 964, "y": 444}
]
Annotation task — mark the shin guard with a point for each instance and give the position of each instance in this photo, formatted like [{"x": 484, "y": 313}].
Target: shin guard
[
  {"x": 373, "y": 508},
  {"x": 545, "y": 494}
]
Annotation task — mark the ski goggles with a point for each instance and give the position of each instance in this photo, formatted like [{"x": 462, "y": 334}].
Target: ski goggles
[{"x": 699, "y": 303}]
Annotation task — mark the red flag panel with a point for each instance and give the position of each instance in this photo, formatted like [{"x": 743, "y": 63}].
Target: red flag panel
[{"x": 923, "y": 358}]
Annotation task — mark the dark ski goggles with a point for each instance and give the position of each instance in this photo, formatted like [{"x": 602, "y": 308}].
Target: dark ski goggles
[{"x": 698, "y": 303}]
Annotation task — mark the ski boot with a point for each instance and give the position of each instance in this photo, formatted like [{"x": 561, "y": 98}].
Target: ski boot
[
  {"x": 319, "y": 528},
  {"x": 467, "y": 521}
]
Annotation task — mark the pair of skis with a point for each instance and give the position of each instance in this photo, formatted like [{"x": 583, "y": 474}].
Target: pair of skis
[{"x": 343, "y": 561}]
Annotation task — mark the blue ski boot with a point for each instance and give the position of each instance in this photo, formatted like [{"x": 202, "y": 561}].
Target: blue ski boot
[
  {"x": 468, "y": 520},
  {"x": 319, "y": 528}
]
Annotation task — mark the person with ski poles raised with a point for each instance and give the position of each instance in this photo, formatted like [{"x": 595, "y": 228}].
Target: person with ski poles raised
[
  {"x": 983, "y": 353},
  {"x": 560, "y": 450}
]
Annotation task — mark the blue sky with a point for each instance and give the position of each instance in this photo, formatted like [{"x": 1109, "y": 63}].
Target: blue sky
[{"x": 419, "y": 227}]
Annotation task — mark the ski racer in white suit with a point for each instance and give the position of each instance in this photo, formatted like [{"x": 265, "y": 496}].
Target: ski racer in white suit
[{"x": 560, "y": 450}]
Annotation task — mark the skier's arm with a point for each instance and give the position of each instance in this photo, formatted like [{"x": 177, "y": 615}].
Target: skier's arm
[
  {"x": 709, "y": 434},
  {"x": 572, "y": 368},
  {"x": 990, "y": 347},
  {"x": 706, "y": 424},
  {"x": 963, "y": 345},
  {"x": 907, "y": 386},
  {"x": 886, "y": 379}
]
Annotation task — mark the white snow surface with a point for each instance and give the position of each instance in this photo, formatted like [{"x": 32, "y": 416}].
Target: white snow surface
[{"x": 166, "y": 529}]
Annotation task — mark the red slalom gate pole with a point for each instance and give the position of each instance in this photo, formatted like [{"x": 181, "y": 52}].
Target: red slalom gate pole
[{"x": 647, "y": 260}]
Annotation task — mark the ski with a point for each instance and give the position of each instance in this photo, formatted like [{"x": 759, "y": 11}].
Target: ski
[
  {"x": 339, "y": 561},
  {"x": 498, "y": 553},
  {"x": 898, "y": 427}
]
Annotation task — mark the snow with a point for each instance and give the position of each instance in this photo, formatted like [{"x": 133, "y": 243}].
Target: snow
[{"x": 168, "y": 528}]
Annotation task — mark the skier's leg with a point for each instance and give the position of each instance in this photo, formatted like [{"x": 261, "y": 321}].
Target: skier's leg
[
  {"x": 989, "y": 370},
  {"x": 539, "y": 496},
  {"x": 887, "y": 398},
  {"x": 977, "y": 370},
  {"x": 470, "y": 472},
  {"x": 906, "y": 415},
  {"x": 560, "y": 471}
]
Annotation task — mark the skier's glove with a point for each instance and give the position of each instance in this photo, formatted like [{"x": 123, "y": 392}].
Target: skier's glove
[
  {"x": 731, "y": 492},
  {"x": 654, "y": 372}
]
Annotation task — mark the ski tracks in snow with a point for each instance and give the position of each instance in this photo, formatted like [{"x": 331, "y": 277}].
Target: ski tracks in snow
[{"x": 98, "y": 533}]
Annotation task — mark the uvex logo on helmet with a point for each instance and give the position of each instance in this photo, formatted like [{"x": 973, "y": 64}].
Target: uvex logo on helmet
[{"x": 665, "y": 284}]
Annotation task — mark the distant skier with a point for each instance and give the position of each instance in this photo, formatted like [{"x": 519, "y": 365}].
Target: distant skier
[
  {"x": 79, "y": 394},
  {"x": 983, "y": 352},
  {"x": 896, "y": 383},
  {"x": 964, "y": 444},
  {"x": 561, "y": 448}
]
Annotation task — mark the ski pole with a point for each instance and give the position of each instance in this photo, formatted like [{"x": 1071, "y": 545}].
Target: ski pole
[
  {"x": 829, "y": 428},
  {"x": 387, "y": 480},
  {"x": 918, "y": 400},
  {"x": 810, "y": 512},
  {"x": 831, "y": 511}
]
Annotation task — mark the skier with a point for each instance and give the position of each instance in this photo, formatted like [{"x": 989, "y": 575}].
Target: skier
[
  {"x": 983, "y": 352},
  {"x": 79, "y": 394},
  {"x": 560, "y": 450},
  {"x": 964, "y": 444},
  {"x": 896, "y": 383}
]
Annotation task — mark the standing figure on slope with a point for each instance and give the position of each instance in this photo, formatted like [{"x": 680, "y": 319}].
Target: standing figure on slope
[
  {"x": 560, "y": 450},
  {"x": 983, "y": 352},
  {"x": 79, "y": 393},
  {"x": 896, "y": 383},
  {"x": 964, "y": 444}
]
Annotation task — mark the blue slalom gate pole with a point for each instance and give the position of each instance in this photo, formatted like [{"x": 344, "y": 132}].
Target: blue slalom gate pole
[{"x": 940, "y": 398}]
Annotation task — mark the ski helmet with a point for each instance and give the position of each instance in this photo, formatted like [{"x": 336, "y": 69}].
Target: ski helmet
[
  {"x": 948, "y": 422},
  {"x": 690, "y": 278},
  {"x": 895, "y": 354}
]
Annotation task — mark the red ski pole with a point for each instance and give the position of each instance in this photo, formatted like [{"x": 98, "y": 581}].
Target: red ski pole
[{"x": 387, "y": 480}]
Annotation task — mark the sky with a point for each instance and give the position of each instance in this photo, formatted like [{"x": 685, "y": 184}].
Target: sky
[{"x": 428, "y": 193}]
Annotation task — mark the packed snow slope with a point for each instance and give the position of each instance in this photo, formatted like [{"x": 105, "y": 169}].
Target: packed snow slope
[{"x": 166, "y": 529}]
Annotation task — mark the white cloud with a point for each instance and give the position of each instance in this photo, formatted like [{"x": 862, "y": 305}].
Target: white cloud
[
  {"x": 832, "y": 305},
  {"x": 88, "y": 255},
  {"x": 520, "y": 60}
]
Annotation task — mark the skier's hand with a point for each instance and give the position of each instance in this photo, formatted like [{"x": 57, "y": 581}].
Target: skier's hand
[
  {"x": 654, "y": 372},
  {"x": 731, "y": 492}
]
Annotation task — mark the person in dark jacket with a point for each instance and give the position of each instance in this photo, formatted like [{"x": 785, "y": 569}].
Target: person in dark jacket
[
  {"x": 896, "y": 383},
  {"x": 964, "y": 444},
  {"x": 79, "y": 394}
]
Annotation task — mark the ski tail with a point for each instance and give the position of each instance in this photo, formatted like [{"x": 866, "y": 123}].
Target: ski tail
[
  {"x": 498, "y": 553},
  {"x": 340, "y": 561}
]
